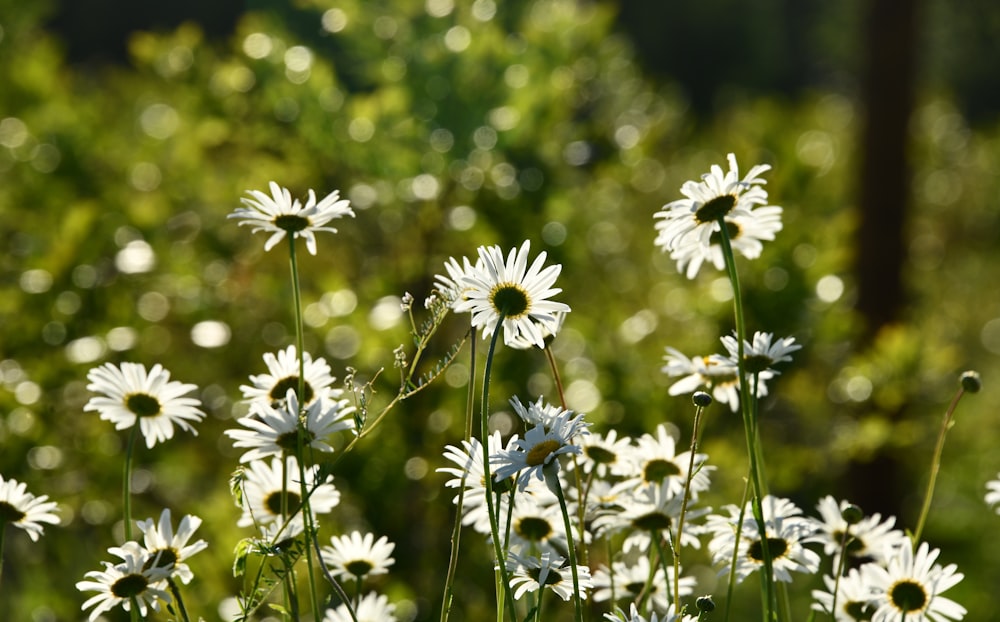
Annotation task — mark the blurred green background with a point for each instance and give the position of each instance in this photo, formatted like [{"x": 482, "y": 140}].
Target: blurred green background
[{"x": 127, "y": 135}]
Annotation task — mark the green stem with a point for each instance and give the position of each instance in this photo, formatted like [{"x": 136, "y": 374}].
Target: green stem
[
  {"x": 936, "y": 464},
  {"x": 747, "y": 401},
  {"x": 456, "y": 533},
  {"x": 175, "y": 591},
  {"x": 305, "y": 506},
  {"x": 731, "y": 584},
  {"x": 577, "y": 600},
  {"x": 498, "y": 547},
  {"x": 685, "y": 499},
  {"x": 127, "y": 479}
]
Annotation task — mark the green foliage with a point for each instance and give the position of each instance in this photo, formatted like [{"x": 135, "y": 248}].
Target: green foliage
[{"x": 489, "y": 123}]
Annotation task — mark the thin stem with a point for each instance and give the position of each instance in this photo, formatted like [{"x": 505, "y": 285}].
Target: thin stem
[
  {"x": 747, "y": 401},
  {"x": 577, "y": 600},
  {"x": 936, "y": 464},
  {"x": 456, "y": 533},
  {"x": 134, "y": 609},
  {"x": 488, "y": 476},
  {"x": 175, "y": 591},
  {"x": 731, "y": 583},
  {"x": 684, "y": 504},
  {"x": 305, "y": 506},
  {"x": 127, "y": 479}
]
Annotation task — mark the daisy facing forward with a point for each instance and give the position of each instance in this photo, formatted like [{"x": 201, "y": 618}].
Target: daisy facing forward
[
  {"x": 909, "y": 588},
  {"x": 283, "y": 374},
  {"x": 508, "y": 288},
  {"x": 125, "y": 583},
  {"x": 355, "y": 556},
  {"x": 129, "y": 393},
  {"x": 24, "y": 510},
  {"x": 262, "y": 491},
  {"x": 539, "y": 448},
  {"x": 280, "y": 215},
  {"x": 529, "y": 574}
]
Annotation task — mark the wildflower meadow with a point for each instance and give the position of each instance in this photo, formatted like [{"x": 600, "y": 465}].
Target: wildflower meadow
[{"x": 478, "y": 328}]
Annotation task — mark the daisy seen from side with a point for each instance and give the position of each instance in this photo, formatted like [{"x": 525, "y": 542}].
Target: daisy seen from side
[
  {"x": 168, "y": 549},
  {"x": 747, "y": 232},
  {"x": 273, "y": 431},
  {"x": 530, "y": 574},
  {"x": 23, "y": 510},
  {"x": 280, "y": 215},
  {"x": 128, "y": 394}
]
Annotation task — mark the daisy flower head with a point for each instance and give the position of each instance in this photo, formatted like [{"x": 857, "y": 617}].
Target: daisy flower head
[
  {"x": 357, "y": 556},
  {"x": 263, "y": 483},
  {"x": 280, "y": 215},
  {"x": 853, "y": 598},
  {"x": 133, "y": 579},
  {"x": 24, "y": 510},
  {"x": 654, "y": 463},
  {"x": 274, "y": 431},
  {"x": 470, "y": 474},
  {"x": 283, "y": 374},
  {"x": 539, "y": 448},
  {"x": 634, "y": 616},
  {"x": 129, "y": 392},
  {"x": 371, "y": 608},
  {"x": 529, "y": 574},
  {"x": 746, "y": 233},
  {"x": 787, "y": 534},
  {"x": 909, "y": 587},
  {"x": 761, "y": 354},
  {"x": 629, "y": 581},
  {"x": 993, "y": 493},
  {"x": 714, "y": 373},
  {"x": 537, "y": 526},
  {"x": 603, "y": 454},
  {"x": 169, "y": 550},
  {"x": 868, "y": 539},
  {"x": 719, "y": 195},
  {"x": 454, "y": 286},
  {"x": 509, "y": 289},
  {"x": 546, "y": 415},
  {"x": 649, "y": 510}
]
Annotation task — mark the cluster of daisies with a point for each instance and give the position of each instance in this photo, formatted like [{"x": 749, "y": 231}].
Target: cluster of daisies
[{"x": 578, "y": 513}]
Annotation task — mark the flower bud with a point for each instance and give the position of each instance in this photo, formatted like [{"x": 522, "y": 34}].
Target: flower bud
[
  {"x": 971, "y": 382},
  {"x": 701, "y": 399}
]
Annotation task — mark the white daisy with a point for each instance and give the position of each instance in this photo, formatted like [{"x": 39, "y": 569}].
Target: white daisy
[
  {"x": 274, "y": 431},
  {"x": 746, "y": 232},
  {"x": 628, "y": 581},
  {"x": 372, "y": 608},
  {"x": 510, "y": 288},
  {"x": 909, "y": 588},
  {"x": 471, "y": 475},
  {"x": 169, "y": 550},
  {"x": 283, "y": 374},
  {"x": 633, "y": 616},
  {"x": 714, "y": 373},
  {"x": 454, "y": 286},
  {"x": 603, "y": 454},
  {"x": 761, "y": 354},
  {"x": 262, "y": 491},
  {"x": 24, "y": 510},
  {"x": 718, "y": 195},
  {"x": 539, "y": 448},
  {"x": 993, "y": 493},
  {"x": 537, "y": 526},
  {"x": 529, "y": 574},
  {"x": 649, "y": 510},
  {"x": 869, "y": 539},
  {"x": 854, "y": 598},
  {"x": 129, "y": 393},
  {"x": 652, "y": 462},
  {"x": 280, "y": 215},
  {"x": 355, "y": 556},
  {"x": 119, "y": 584},
  {"x": 787, "y": 534}
]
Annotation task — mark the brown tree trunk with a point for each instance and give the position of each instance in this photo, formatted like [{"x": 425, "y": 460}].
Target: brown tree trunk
[{"x": 888, "y": 98}]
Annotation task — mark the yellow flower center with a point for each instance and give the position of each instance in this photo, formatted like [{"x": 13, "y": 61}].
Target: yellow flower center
[{"x": 539, "y": 453}]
